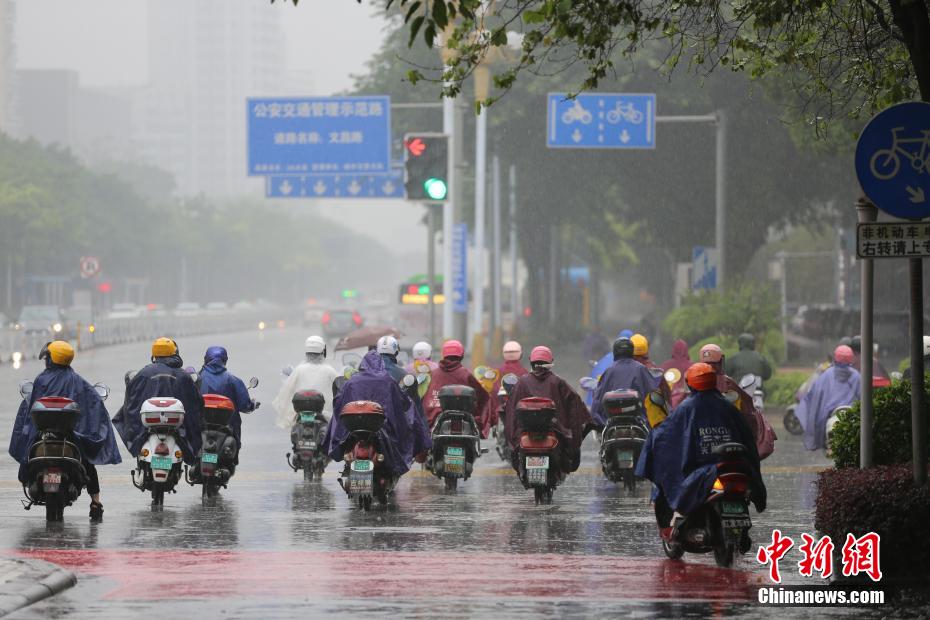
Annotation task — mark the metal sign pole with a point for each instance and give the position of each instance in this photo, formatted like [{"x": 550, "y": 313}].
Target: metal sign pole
[
  {"x": 867, "y": 213},
  {"x": 431, "y": 268},
  {"x": 918, "y": 413}
]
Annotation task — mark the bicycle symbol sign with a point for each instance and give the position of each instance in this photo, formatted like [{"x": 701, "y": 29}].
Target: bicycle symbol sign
[
  {"x": 601, "y": 120},
  {"x": 893, "y": 160}
]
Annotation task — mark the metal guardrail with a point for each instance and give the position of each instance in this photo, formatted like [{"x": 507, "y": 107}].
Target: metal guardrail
[{"x": 17, "y": 344}]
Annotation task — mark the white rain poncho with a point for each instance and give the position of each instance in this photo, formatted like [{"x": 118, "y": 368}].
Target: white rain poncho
[{"x": 306, "y": 376}]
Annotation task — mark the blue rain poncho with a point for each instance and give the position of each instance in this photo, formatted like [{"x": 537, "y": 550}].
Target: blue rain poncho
[
  {"x": 838, "y": 386},
  {"x": 625, "y": 374},
  {"x": 215, "y": 379}
]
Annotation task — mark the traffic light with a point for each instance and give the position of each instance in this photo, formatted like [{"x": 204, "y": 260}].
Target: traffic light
[{"x": 426, "y": 166}]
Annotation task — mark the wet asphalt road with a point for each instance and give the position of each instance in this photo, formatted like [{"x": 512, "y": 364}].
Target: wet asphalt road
[{"x": 275, "y": 546}]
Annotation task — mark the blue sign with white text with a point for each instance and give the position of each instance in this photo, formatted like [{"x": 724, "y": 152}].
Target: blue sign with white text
[
  {"x": 319, "y": 135},
  {"x": 601, "y": 121},
  {"x": 339, "y": 186},
  {"x": 460, "y": 267},
  {"x": 704, "y": 268},
  {"x": 893, "y": 160}
]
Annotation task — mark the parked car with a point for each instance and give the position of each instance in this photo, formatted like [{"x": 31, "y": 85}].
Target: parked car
[
  {"x": 338, "y": 323},
  {"x": 41, "y": 320}
]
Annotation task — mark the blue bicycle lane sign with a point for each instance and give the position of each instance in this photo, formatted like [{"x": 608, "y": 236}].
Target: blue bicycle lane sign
[{"x": 893, "y": 160}]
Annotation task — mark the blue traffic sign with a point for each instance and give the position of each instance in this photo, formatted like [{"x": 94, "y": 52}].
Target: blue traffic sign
[
  {"x": 601, "y": 121},
  {"x": 460, "y": 267},
  {"x": 340, "y": 186},
  {"x": 319, "y": 135},
  {"x": 703, "y": 268},
  {"x": 893, "y": 160}
]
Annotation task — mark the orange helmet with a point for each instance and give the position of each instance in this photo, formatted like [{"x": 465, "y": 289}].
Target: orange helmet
[{"x": 701, "y": 377}]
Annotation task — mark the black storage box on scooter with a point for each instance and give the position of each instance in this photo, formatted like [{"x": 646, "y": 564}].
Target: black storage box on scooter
[
  {"x": 622, "y": 403},
  {"x": 55, "y": 414},
  {"x": 623, "y": 436},
  {"x": 216, "y": 416},
  {"x": 362, "y": 416},
  {"x": 536, "y": 415},
  {"x": 458, "y": 398},
  {"x": 308, "y": 401}
]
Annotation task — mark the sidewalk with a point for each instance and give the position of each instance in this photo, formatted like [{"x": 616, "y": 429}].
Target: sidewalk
[{"x": 25, "y": 581}]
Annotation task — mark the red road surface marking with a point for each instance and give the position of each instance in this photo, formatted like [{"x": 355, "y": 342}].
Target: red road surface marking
[{"x": 143, "y": 574}]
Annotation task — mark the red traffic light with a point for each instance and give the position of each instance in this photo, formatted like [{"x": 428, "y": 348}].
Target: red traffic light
[
  {"x": 104, "y": 287},
  {"x": 416, "y": 146}
]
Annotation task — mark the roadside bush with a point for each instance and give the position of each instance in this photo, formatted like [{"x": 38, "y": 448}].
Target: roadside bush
[
  {"x": 781, "y": 388},
  {"x": 891, "y": 428},
  {"x": 882, "y": 500}
]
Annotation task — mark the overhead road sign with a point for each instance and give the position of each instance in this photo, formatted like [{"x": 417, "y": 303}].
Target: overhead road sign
[
  {"x": 319, "y": 135},
  {"x": 893, "y": 240},
  {"x": 601, "y": 121},
  {"x": 340, "y": 186},
  {"x": 893, "y": 160},
  {"x": 704, "y": 268}
]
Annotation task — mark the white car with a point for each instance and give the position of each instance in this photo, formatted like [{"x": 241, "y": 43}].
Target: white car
[
  {"x": 124, "y": 311},
  {"x": 187, "y": 308}
]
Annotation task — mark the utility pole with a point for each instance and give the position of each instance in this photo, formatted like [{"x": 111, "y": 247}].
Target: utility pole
[
  {"x": 496, "y": 343},
  {"x": 515, "y": 305}
]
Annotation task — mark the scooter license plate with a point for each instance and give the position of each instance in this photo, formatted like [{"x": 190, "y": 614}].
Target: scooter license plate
[
  {"x": 361, "y": 466},
  {"x": 209, "y": 457},
  {"x": 162, "y": 462},
  {"x": 307, "y": 417},
  {"x": 51, "y": 478},
  {"x": 735, "y": 522},
  {"x": 537, "y": 462},
  {"x": 455, "y": 460},
  {"x": 360, "y": 482},
  {"x": 625, "y": 455}
]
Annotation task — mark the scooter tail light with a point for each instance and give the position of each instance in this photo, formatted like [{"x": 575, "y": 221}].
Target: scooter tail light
[
  {"x": 162, "y": 449},
  {"x": 457, "y": 427},
  {"x": 737, "y": 484},
  {"x": 356, "y": 318},
  {"x": 326, "y": 318},
  {"x": 718, "y": 485}
]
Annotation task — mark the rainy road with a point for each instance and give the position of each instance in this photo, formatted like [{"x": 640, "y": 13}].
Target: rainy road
[{"x": 275, "y": 546}]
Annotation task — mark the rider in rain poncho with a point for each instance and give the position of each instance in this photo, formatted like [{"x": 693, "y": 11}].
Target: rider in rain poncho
[
  {"x": 603, "y": 364},
  {"x": 838, "y": 386},
  {"x": 678, "y": 457},
  {"x": 163, "y": 378},
  {"x": 625, "y": 374},
  {"x": 388, "y": 348},
  {"x": 312, "y": 374},
  {"x": 372, "y": 382},
  {"x": 452, "y": 372},
  {"x": 215, "y": 379},
  {"x": 93, "y": 433}
]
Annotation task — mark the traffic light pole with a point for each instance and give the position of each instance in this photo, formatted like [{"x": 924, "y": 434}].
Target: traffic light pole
[{"x": 431, "y": 268}]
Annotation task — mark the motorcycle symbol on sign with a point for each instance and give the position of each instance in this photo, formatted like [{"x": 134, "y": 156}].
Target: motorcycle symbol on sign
[
  {"x": 886, "y": 163},
  {"x": 577, "y": 113},
  {"x": 626, "y": 112}
]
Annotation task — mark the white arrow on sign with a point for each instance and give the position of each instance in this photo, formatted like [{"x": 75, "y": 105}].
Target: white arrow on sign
[
  {"x": 319, "y": 187},
  {"x": 625, "y": 136},
  {"x": 576, "y": 135},
  {"x": 286, "y": 188},
  {"x": 917, "y": 195},
  {"x": 354, "y": 187}
]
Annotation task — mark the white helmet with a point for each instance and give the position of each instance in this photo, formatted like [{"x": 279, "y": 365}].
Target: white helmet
[
  {"x": 512, "y": 351},
  {"x": 422, "y": 351},
  {"x": 387, "y": 345},
  {"x": 926, "y": 346},
  {"x": 315, "y": 344}
]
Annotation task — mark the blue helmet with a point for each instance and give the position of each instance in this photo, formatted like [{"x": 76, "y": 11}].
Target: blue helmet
[
  {"x": 626, "y": 333},
  {"x": 216, "y": 353}
]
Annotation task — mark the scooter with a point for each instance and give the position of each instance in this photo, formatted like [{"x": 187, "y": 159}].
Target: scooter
[
  {"x": 752, "y": 385},
  {"x": 623, "y": 437},
  {"x": 55, "y": 471},
  {"x": 307, "y": 434},
  {"x": 722, "y": 523},
  {"x": 365, "y": 476},
  {"x": 831, "y": 422},
  {"x": 538, "y": 456},
  {"x": 456, "y": 440},
  {"x": 220, "y": 452},
  {"x": 158, "y": 466},
  {"x": 499, "y": 430}
]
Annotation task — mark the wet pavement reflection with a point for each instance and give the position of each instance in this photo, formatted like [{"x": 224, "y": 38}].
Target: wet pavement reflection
[{"x": 274, "y": 545}]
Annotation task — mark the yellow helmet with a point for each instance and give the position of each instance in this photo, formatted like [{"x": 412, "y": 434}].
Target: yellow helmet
[
  {"x": 58, "y": 352},
  {"x": 640, "y": 345},
  {"x": 164, "y": 347}
]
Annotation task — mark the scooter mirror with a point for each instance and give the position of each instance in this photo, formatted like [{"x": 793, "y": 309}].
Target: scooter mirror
[
  {"x": 103, "y": 390},
  {"x": 287, "y": 370},
  {"x": 588, "y": 383},
  {"x": 25, "y": 389},
  {"x": 747, "y": 381},
  {"x": 253, "y": 383},
  {"x": 510, "y": 379},
  {"x": 672, "y": 376},
  {"x": 732, "y": 396},
  {"x": 408, "y": 381}
]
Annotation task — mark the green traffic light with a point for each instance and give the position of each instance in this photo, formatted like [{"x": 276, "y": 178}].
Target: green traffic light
[
  {"x": 424, "y": 289},
  {"x": 435, "y": 188}
]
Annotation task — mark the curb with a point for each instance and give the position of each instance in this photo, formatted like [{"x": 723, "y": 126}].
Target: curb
[{"x": 48, "y": 585}]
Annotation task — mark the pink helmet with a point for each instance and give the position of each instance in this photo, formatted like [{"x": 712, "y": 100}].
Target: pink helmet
[
  {"x": 541, "y": 354},
  {"x": 711, "y": 354},
  {"x": 512, "y": 351},
  {"x": 843, "y": 355},
  {"x": 452, "y": 348}
]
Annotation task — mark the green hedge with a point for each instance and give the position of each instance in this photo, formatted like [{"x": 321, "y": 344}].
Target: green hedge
[{"x": 781, "y": 388}]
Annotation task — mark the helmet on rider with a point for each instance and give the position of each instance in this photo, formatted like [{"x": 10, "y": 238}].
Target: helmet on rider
[
  {"x": 640, "y": 345},
  {"x": 216, "y": 354},
  {"x": 315, "y": 346},
  {"x": 422, "y": 351},
  {"x": 844, "y": 355},
  {"x": 711, "y": 354},
  {"x": 623, "y": 348},
  {"x": 452, "y": 349},
  {"x": 57, "y": 352},
  {"x": 701, "y": 377},
  {"x": 512, "y": 351},
  {"x": 746, "y": 341},
  {"x": 541, "y": 355},
  {"x": 387, "y": 345},
  {"x": 856, "y": 344},
  {"x": 164, "y": 347}
]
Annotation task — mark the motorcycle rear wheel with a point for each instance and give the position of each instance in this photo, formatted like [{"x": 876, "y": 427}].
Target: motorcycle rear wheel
[
  {"x": 308, "y": 473},
  {"x": 452, "y": 483},
  {"x": 629, "y": 481},
  {"x": 792, "y": 424},
  {"x": 672, "y": 551},
  {"x": 723, "y": 555},
  {"x": 54, "y": 508},
  {"x": 543, "y": 495},
  {"x": 158, "y": 495}
]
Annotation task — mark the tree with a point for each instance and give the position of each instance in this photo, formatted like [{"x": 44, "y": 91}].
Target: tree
[{"x": 846, "y": 56}]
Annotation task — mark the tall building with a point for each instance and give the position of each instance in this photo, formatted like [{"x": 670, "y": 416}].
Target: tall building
[{"x": 205, "y": 58}]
